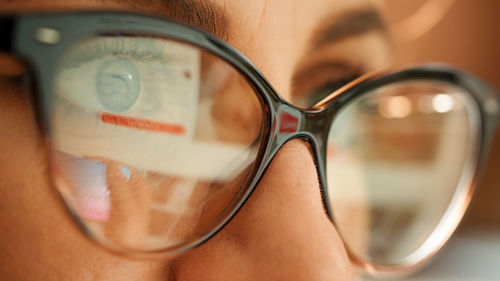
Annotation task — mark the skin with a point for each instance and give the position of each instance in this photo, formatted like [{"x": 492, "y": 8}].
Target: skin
[{"x": 269, "y": 239}]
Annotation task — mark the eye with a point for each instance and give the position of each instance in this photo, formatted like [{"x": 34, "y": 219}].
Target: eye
[
  {"x": 113, "y": 85},
  {"x": 96, "y": 76},
  {"x": 117, "y": 84},
  {"x": 313, "y": 84},
  {"x": 315, "y": 95}
]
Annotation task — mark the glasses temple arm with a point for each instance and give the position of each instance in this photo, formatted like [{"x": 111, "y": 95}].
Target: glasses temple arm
[
  {"x": 496, "y": 97},
  {"x": 6, "y": 32},
  {"x": 493, "y": 114},
  {"x": 490, "y": 99}
]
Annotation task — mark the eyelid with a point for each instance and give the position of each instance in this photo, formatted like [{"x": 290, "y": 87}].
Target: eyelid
[
  {"x": 325, "y": 65},
  {"x": 314, "y": 78},
  {"x": 360, "y": 79}
]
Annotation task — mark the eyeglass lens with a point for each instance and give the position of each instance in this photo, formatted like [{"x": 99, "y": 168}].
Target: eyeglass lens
[
  {"x": 153, "y": 140},
  {"x": 395, "y": 157}
]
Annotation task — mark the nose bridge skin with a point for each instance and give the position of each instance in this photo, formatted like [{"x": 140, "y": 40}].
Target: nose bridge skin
[
  {"x": 282, "y": 232},
  {"x": 290, "y": 123}
]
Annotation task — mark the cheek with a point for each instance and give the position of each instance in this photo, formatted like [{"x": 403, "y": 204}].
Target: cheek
[
  {"x": 25, "y": 189},
  {"x": 38, "y": 241},
  {"x": 281, "y": 233}
]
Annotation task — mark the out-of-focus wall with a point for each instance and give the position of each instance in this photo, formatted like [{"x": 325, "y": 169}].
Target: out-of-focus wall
[{"x": 468, "y": 36}]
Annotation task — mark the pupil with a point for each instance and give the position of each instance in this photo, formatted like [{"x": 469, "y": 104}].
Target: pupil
[{"x": 117, "y": 85}]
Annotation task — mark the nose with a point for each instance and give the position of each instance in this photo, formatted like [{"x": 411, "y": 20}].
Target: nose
[{"x": 281, "y": 233}]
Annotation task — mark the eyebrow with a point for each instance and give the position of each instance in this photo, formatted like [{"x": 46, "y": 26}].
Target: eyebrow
[
  {"x": 349, "y": 24},
  {"x": 201, "y": 14}
]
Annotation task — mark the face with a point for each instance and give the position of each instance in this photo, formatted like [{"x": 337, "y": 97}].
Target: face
[{"x": 298, "y": 46}]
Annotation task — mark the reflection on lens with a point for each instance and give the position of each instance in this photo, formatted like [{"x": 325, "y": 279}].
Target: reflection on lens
[
  {"x": 153, "y": 140},
  {"x": 394, "y": 163}
]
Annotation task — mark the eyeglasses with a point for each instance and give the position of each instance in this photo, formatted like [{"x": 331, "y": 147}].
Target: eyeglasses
[{"x": 159, "y": 133}]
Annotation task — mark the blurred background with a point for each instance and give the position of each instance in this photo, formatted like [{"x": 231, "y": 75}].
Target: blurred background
[{"x": 463, "y": 33}]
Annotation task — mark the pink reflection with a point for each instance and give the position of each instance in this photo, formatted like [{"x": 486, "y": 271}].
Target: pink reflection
[{"x": 87, "y": 179}]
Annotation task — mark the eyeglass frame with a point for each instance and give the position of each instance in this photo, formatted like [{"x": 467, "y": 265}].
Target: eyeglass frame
[{"x": 313, "y": 124}]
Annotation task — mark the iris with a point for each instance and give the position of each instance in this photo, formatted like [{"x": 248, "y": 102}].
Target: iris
[{"x": 118, "y": 84}]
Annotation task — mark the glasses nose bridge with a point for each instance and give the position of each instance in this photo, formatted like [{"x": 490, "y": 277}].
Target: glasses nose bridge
[{"x": 290, "y": 122}]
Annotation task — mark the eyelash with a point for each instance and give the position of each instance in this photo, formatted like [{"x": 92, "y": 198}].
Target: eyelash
[
  {"x": 118, "y": 46},
  {"x": 326, "y": 88},
  {"x": 148, "y": 58},
  {"x": 334, "y": 85}
]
